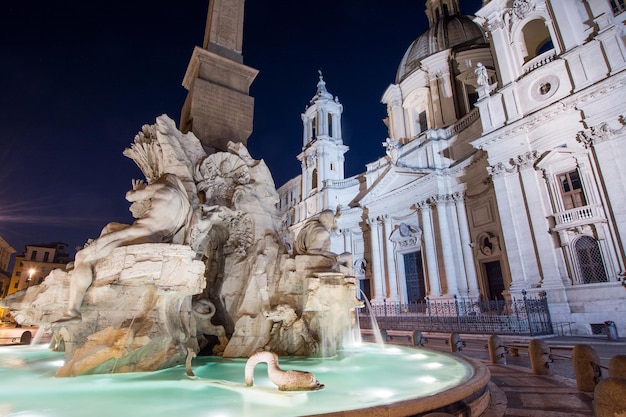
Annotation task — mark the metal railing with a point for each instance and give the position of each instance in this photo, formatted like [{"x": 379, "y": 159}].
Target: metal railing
[{"x": 525, "y": 316}]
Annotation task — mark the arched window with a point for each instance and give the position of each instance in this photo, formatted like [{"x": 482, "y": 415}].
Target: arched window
[
  {"x": 590, "y": 262},
  {"x": 330, "y": 125},
  {"x": 537, "y": 40},
  {"x": 314, "y": 179}
]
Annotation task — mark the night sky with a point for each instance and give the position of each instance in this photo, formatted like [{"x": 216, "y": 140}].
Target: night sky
[{"x": 78, "y": 79}]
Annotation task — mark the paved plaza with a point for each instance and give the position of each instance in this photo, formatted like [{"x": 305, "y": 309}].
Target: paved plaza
[{"x": 516, "y": 391}]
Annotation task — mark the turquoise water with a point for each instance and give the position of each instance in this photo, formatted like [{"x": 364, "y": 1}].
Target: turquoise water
[{"x": 358, "y": 378}]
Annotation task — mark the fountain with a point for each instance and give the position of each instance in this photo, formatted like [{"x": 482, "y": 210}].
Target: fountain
[{"x": 202, "y": 269}]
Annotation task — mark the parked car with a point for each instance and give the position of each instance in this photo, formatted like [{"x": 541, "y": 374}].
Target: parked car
[{"x": 16, "y": 334}]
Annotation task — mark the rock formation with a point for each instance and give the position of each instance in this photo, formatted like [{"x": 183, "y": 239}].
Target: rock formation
[{"x": 222, "y": 283}]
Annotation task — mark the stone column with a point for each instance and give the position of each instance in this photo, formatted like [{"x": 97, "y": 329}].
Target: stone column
[
  {"x": 501, "y": 46},
  {"x": 432, "y": 267},
  {"x": 436, "y": 116},
  {"x": 347, "y": 245},
  {"x": 377, "y": 270},
  {"x": 515, "y": 229},
  {"x": 535, "y": 199},
  {"x": 392, "y": 274},
  {"x": 608, "y": 149},
  {"x": 468, "y": 255},
  {"x": 443, "y": 202},
  {"x": 455, "y": 239}
]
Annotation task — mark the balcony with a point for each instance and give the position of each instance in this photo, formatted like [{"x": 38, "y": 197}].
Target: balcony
[
  {"x": 578, "y": 216},
  {"x": 539, "y": 61}
]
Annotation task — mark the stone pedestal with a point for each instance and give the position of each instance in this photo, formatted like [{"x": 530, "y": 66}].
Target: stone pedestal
[
  {"x": 329, "y": 309},
  {"x": 218, "y": 108},
  {"x": 136, "y": 316}
]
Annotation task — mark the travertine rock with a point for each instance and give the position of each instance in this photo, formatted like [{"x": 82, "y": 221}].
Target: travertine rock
[{"x": 222, "y": 283}]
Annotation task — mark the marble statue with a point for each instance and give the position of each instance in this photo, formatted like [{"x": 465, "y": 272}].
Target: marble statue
[
  {"x": 392, "y": 148},
  {"x": 163, "y": 212},
  {"x": 290, "y": 380},
  {"x": 482, "y": 78},
  {"x": 314, "y": 239}
]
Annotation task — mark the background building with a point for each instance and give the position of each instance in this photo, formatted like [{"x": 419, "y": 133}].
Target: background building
[
  {"x": 6, "y": 251},
  {"x": 504, "y": 163},
  {"x": 36, "y": 263}
]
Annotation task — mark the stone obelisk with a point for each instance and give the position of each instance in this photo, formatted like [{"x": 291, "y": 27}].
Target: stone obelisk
[{"x": 218, "y": 108}]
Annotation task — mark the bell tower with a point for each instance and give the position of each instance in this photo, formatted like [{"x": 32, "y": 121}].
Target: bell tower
[
  {"x": 322, "y": 155},
  {"x": 218, "y": 108}
]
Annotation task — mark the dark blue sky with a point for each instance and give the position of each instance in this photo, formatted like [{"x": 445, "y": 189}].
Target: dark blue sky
[{"x": 78, "y": 79}]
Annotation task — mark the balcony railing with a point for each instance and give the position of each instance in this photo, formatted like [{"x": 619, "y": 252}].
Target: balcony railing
[
  {"x": 539, "y": 61},
  {"x": 578, "y": 216}
]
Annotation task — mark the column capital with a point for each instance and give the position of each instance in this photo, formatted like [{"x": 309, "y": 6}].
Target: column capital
[
  {"x": 525, "y": 160},
  {"x": 458, "y": 196},
  {"x": 423, "y": 205},
  {"x": 372, "y": 221},
  {"x": 499, "y": 169},
  {"x": 441, "y": 199}
]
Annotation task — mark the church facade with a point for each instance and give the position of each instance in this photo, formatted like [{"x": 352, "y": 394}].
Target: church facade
[{"x": 504, "y": 163}]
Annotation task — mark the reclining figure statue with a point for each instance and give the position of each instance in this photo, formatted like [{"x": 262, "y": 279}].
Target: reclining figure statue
[{"x": 162, "y": 210}]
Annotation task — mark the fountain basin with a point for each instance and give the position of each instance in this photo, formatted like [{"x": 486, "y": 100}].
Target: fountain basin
[{"x": 364, "y": 381}]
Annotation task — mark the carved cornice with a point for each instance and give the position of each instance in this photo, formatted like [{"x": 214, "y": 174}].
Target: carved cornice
[{"x": 523, "y": 125}]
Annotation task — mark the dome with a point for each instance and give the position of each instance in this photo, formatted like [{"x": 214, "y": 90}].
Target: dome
[{"x": 447, "y": 32}]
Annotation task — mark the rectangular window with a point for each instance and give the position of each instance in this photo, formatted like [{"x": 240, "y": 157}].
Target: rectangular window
[
  {"x": 46, "y": 256},
  {"x": 423, "y": 121},
  {"x": 618, "y": 6},
  {"x": 33, "y": 255},
  {"x": 571, "y": 190}
]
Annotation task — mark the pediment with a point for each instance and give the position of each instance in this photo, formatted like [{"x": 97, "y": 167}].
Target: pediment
[
  {"x": 558, "y": 158},
  {"x": 391, "y": 182}
]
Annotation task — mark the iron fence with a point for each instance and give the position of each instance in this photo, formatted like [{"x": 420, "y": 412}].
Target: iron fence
[{"x": 525, "y": 316}]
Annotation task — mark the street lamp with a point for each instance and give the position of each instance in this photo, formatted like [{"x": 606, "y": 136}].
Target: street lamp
[{"x": 31, "y": 272}]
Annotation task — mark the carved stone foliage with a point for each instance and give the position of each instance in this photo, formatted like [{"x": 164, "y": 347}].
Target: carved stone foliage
[
  {"x": 488, "y": 244},
  {"x": 219, "y": 175},
  {"x": 146, "y": 152},
  {"x": 360, "y": 267},
  {"x": 521, "y": 8},
  {"x": 525, "y": 160},
  {"x": 406, "y": 235},
  {"x": 499, "y": 169},
  {"x": 598, "y": 134}
]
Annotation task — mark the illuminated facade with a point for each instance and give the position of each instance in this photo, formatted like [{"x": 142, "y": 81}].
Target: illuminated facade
[
  {"x": 36, "y": 263},
  {"x": 504, "y": 163}
]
